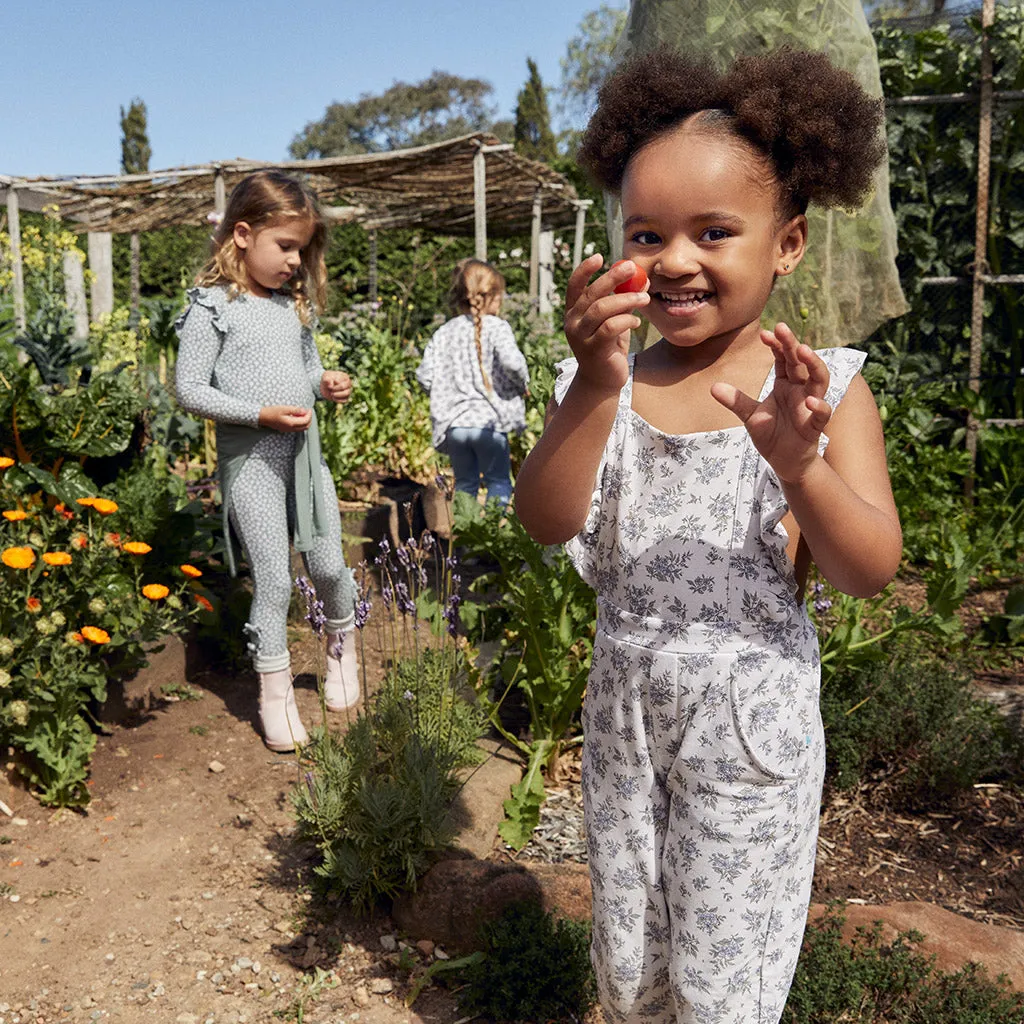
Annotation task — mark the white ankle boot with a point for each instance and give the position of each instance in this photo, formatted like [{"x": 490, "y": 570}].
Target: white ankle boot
[
  {"x": 341, "y": 684},
  {"x": 279, "y": 716}
]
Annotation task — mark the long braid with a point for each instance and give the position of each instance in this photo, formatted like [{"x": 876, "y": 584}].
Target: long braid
[
  {"x": 474, "y": 285},
  {"x": 476, "y": 303}
]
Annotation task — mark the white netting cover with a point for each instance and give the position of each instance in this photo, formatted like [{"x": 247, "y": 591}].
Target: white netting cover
[{"x": 847, "y": 282}]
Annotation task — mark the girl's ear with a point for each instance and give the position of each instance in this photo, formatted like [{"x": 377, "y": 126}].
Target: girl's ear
[
  {"x": 242, "y": 235},
  {"x": 792, "y": 242}
]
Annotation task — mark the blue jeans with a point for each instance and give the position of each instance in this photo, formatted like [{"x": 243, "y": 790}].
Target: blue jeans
[{"x": 478, "y": 452}]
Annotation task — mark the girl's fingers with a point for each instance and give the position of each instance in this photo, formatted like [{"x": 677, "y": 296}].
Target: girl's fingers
[
  {"x": 821, "y": 412},
  {"x": 579, "y": 278},
  {"x": 817, "y": 372},
  {"x": 734, "y": 400}
]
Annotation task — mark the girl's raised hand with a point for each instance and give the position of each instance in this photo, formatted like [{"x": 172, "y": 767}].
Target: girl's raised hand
[
  {"x": 785, "y": 427},
  {"x": 289, "y": 419},
  {"x": 598, "y": 321}
]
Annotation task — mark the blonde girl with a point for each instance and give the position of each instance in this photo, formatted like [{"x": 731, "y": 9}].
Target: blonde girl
[
  {"x": 476, "y": 377},
  {"x": 248, "y": 360}
]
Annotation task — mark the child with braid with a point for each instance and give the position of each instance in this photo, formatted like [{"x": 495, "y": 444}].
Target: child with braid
[
  {"x": 476, "y": 377},
  {"x": 692, "y": 484},
  {"x": 248, "y": 360}
]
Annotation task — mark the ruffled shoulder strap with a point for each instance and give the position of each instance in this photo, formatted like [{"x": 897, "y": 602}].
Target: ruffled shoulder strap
[
  {"x": 214, "y": 299},
  {"x": 566, "y": 373},
  {"x": 843, "y": 365}
]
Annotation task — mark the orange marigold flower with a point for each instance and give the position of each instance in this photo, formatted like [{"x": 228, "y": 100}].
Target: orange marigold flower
[
  {"x": 14, "y": 515},
  {"x": 56, "y": 558},
  {"x": 104, "y": 506},
  {"x": 79, "y": 541},
  {"x": 61, "y": 510},
  {"x": 33, "y": 604},
  {"x": 5, "y": 462},
  {"x": 96, "y": 635},
  {"x": 85, "y": 501},
  {"x": 191, "y": 570},
  {"x": 204, "y": 603},
  {"x": 155, "y": 591},
  {"x": 137, "y": 547},
  {"x": 18, "y": 558},
  {"x": 112, "y": 539}
]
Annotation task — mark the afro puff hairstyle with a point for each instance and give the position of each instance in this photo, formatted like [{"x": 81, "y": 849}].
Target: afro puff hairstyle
[{"x": 811, "y": 121}]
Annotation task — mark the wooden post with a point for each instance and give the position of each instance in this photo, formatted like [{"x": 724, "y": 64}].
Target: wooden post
[
  {"x": 582, "y": 205},
  {"x": 535, "y": 249},
  {"x": 371, "y": 269},
  {"x": 980, "y": 235},
  {"x": 14, "y": 229},
  {"x": 135, "y": 287},
  {"x": 480, "y": 203},
  {"x": 101, "y": 263},
  {"x": 220, "y": 198},
  {"x": 545, "y": 271},
  {"x": 74, "y": 293}
]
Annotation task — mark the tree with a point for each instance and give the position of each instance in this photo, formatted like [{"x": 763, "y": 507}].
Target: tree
[
  {"x": 135, "y": 154},
  {"x": 440, "y": 107},
  {"x": 587, "y": 61},
  {"x": 533, "y": 135}
]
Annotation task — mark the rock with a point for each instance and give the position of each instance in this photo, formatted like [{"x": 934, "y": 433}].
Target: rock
[
  {"x": 456, "y": 896},
  {"x": 381, "y": 986},
  {"x": 426, "y": 947},
  {"x": 388, "y": 943},
  {"x": 216, "y": 767},
  {"x": 360, "y": 996},
  {"x": 479, "y": 808},
  {"x": 953, "y": 939}
]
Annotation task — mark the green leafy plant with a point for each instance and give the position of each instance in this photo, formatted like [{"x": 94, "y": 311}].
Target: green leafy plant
[
  {"x": 535, "y": 967},
  {"x": 542, "y": 615}
]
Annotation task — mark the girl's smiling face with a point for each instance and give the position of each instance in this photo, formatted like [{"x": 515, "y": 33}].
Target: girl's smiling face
[
  {"x": 272, "y": 254},
  {"x": 701, "y": 215}
]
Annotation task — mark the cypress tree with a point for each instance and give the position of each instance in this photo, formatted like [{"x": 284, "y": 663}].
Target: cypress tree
[
  {"x": 135, "y": 154},
  {"x": 533, "y": 135}
]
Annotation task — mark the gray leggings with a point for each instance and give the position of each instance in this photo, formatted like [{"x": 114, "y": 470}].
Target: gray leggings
[{"x": 262, "y": 511}]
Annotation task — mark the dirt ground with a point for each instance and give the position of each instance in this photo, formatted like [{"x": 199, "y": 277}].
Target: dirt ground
[{"x": 179, "y": 895}]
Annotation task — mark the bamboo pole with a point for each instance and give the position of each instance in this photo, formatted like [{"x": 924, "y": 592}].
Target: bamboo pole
[
  {"x": 14, "y": 229},
  {"x": 535, "y": 249},
  {"x": 980, "y": 268},
  {"x": 480, "y": 204}
]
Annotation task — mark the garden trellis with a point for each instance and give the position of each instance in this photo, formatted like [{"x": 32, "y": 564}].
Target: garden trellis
[
  {"x": 469, "y": 185},
  {"x": 992, "y": 107}
]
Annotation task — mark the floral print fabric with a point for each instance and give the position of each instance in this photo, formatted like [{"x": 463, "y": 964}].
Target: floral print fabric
[{"x": 704, "y": 751}]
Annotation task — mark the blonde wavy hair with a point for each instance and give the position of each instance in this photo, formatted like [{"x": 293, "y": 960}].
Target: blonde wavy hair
[
  {"x": 475, "y": 285},
  {"x": 262, "y": 200}
]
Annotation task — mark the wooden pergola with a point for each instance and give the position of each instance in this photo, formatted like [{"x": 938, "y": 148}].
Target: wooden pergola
[{"x": 473, "y": 184}]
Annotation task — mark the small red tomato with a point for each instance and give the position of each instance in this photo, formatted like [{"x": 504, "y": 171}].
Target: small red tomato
[{"x": 635, "y": 283}]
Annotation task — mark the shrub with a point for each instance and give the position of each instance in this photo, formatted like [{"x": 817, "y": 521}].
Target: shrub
[
  {"x": 876, "y": 984},
  {"x": 535, "y": 968},
  {"x": 914, "y": 720}
]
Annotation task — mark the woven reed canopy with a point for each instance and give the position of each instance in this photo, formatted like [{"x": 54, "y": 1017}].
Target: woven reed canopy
[{"x": 427, "y": 186}]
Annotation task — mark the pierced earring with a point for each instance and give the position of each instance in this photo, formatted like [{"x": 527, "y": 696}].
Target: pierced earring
[{"x": 785, "y": 266}]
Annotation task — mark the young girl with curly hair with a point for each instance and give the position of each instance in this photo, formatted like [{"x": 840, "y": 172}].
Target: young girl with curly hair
[
  {"x": 693, "y": 483},
  {"x": 248, "y": 360}
]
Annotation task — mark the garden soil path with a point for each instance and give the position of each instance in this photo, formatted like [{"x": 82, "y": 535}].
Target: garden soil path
[{"x": 178, "y": 896}]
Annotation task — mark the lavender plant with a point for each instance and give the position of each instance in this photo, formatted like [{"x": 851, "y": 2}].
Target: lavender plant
[{"x": 375, "y": 801}]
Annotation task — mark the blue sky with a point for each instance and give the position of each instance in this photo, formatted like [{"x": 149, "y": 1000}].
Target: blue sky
[{"x": 225, "y": 79}]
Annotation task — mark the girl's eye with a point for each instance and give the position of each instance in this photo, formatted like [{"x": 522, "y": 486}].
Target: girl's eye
[
  {"x": 714, "y": 235},
  {"x": 645, "y": 238}
]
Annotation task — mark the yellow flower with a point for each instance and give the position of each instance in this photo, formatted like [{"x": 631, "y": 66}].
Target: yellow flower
[
  {"x": 19, "y": 558},
  {"x": 191, "y": 570},
  {"x": 85, "y": 501},
  {"x": 5, "y": 462},
  {"x": 56, "y": 558},
  {"x": 104, "y": 506},
  {"x": 96, "y": 635},
  {"x": 34, "y": 605},
  {"x": 204, "y": 603},
  {"x": 14, "y": 515},
  {"x": 137, "y": 547},
  {"x": 155, "y": 591}
]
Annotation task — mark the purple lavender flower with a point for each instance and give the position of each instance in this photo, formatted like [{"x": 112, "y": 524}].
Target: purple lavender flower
[
  {"x": 402, "y": 555},
  {"x": 427, "y": 540},
  {"x": 387, "y": 595},
  {"x": 405, "y": 604},
  {"x": 450, "y": 613},
  {"x": 822, "y": 605},
  {"x": 314, "y": 608},
  {"x": 336, "y": 649},
  {"x": 363, "y": 606}
]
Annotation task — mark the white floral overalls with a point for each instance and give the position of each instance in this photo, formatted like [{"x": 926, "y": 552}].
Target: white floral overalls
[{"x": 704, "y": 753}]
